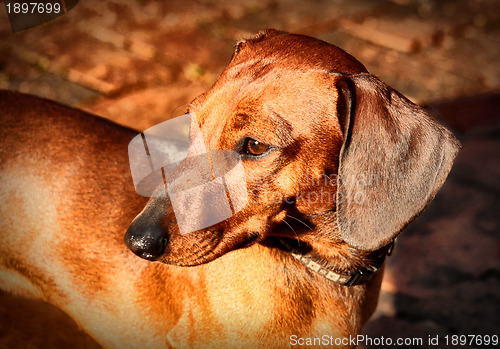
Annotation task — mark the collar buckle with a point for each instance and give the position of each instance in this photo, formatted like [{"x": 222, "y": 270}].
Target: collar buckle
[{"x": 360, "y": 276}]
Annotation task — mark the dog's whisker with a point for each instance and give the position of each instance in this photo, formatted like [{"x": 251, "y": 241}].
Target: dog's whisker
[
  {"x": 293, "y": 230},
  {"x": 300, "y": 221},
  {"x": 290, "y": 227}
]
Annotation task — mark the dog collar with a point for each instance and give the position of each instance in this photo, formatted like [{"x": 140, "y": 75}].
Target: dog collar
[{"x": 356, "y": 278}]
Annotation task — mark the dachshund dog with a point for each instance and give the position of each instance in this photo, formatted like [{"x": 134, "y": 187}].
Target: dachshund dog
[{"x": 336, "y": 164}]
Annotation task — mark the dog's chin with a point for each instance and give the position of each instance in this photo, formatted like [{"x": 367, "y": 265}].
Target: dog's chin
[
  {"x": 190, "y": 260},
  {"x": 201, "y": 251}
]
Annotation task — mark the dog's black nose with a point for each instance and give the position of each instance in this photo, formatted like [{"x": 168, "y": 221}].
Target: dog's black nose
[{"x": 147, "y": 242}]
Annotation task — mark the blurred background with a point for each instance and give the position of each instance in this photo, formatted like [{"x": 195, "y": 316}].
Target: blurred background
[{"x": 136, "y": 61}]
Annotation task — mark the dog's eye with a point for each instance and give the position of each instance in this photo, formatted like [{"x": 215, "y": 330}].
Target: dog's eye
[{"x": 254, "y": 147}]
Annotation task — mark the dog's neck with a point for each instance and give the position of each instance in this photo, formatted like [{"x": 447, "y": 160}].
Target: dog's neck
[
  {"x": 322, "y": 251},
  {"x": 320, "y": 266}
]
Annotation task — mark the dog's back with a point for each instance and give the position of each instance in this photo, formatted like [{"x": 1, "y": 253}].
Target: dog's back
[{"x": 65, "y": 201}]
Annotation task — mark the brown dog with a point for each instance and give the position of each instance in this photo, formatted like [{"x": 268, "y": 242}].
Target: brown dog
[{"x": 336, "y": 163}]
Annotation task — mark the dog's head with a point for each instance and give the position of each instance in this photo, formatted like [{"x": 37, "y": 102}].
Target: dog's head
[{"x": 332, "y": 156}]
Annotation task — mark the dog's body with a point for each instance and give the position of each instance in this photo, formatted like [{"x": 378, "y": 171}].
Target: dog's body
[{"x": 67, "y": 200}]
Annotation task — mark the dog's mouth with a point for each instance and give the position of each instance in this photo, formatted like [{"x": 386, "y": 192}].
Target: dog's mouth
[
  {"x": 152, "y": 238},
  {"x": 205, "y": 246},
  {"x": 204, "y": 249},
  {"x": 194, "y": 252}
]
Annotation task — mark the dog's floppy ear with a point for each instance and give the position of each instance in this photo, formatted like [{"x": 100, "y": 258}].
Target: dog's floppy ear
[{"x": 393, "y": 160}]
